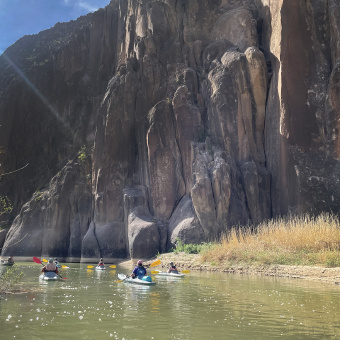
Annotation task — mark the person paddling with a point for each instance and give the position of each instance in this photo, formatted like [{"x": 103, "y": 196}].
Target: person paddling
[
  {"x": 50, "y": 267},
  {"x": 9, "y": 261},
  {"x": 101, "y": 263},
  {"x": 173, "y": 268},
  {"x": 56, "y": 263},
  {"x": 139, "y": 271}
]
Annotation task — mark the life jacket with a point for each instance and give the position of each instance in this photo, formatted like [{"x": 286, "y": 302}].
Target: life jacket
[
  {"x": 141, "y": 271},
  {"x": 173, "y": 270},
  {"x": 50, "y": 267}
]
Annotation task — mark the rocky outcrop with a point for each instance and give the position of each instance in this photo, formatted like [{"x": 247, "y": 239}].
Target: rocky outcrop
[
  {"x": 143, "y": 236},
  {"x": 157, "y": 120},
  {"x": 55, "y": 220}
]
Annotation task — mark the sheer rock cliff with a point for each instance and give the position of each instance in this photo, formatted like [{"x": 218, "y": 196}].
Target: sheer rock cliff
[{"x": 153, "y": 120}]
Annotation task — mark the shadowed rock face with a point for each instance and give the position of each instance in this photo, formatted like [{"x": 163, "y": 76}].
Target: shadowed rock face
[{"x": 150, "y": 121}]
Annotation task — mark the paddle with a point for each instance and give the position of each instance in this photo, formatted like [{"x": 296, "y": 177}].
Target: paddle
[
  {"x": 62, "y": 266},
  {"x": 64, "y": 278},
  {"x": 182, "y": 271},
  {"x": 154, "y": 264},
  {"x": 112, "y": 266},
  {"x": 36, "y": 260},
  {"x": 119, "y": 281}
]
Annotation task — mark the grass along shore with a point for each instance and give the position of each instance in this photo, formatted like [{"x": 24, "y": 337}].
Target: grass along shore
[
  {"x": 9, "y": 278},
  {"x": 295, "y": 247}
]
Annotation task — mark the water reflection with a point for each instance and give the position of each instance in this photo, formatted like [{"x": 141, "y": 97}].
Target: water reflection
[{"x": 91, "y": 305}]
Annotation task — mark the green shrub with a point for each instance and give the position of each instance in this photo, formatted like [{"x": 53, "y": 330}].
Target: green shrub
[
  {"x": 190, "y": 248},
  {"x": 82, "y": 154},
  {"x": 9, "y": 278},
  {"x": 38, "y": 195},
  {"x": 5, "y": 205}
]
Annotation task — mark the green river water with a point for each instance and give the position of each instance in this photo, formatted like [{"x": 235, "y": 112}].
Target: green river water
[{"x": 91, "y": 305}]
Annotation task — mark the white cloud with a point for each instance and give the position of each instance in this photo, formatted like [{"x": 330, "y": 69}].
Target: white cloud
[{"x": 85, "y": 5}]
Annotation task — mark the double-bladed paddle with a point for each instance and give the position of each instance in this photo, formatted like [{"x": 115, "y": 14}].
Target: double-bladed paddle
[
  {"x": 153, "y": 264},
  {"x": 62, "y": 266},
  {"x": 182, "y": 271},
  {"x": 36, "y": 260},
  {"x": 112, "y": 266},
  {"x": 118, "y": 281}
]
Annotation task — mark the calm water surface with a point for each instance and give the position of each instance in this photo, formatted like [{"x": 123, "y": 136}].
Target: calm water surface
[{"x": 91, "y": 305}]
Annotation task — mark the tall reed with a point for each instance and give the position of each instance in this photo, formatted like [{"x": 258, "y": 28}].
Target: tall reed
[{"x": 296, "y": 240}]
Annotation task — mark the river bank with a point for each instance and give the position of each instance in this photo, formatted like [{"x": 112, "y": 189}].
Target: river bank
[{"x": 193, "y": 262}]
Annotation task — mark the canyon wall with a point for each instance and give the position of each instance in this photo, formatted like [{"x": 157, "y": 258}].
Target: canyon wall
[{"x": 154, "y": 120}]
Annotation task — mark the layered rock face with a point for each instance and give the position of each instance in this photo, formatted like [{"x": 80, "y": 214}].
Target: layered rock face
[{"x": 150, "y": 121}]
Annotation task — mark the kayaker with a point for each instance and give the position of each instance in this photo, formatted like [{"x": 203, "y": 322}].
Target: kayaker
[
  {"x": 173, "y": 268},
  {"x": 50, "y": 267},
  {"x": 101, "y": 263},
  {"x": 139, "y": 271},
  {"x": 10, "y": 260},
  {"x": 56, "y": 262}
]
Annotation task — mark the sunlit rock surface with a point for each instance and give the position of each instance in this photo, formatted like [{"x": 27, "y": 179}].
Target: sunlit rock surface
[{"x": 149, "y": 121}]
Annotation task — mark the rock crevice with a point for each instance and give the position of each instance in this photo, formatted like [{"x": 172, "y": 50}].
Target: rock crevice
[{"x": 149, "y": 121}]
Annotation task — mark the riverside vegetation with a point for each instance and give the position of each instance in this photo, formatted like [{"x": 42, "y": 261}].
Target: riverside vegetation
[
  {"x": 295, "y": 241},
  {"x": 9, "y": 279},
  {"x": 305, "y": 240}
]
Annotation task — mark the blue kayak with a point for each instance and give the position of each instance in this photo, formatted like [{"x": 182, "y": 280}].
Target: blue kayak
[{"x": 146, "y": 280}]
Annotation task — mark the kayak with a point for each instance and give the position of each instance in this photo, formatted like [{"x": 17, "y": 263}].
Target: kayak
[
  {"x": 49, "y": 276},
  {"x": 170, "y": 274},
  {"x": 7, "y": 264},
  {"x": 145, "y": 281},
  {"x": 100, "y": 268}
]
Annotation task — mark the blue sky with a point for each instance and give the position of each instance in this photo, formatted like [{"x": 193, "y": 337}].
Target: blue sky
[{"x": 25, "y": 17}]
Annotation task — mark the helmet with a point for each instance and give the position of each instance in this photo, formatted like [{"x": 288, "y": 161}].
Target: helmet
[
  {"x": 171, "y": 263},
  {"x": 139, "y": 263},
  {"x": 50, "y": 260}
]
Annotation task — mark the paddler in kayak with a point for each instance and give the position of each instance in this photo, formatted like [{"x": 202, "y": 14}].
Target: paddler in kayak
[
  {"x": 9, "y": 261},
  {"x": 173, "y": 268},
  {"x": 139, "y": 271},
  {"x": 101, "y": 263},
  {"x": 50, "y": 267},
  {"x": 56, "y": 263}
]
